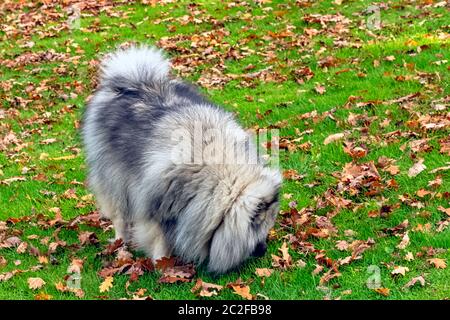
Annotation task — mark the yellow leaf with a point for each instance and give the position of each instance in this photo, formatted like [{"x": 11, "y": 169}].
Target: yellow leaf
[
  {"x": 106, "y": 285},
  {"x": 72, "y": 156}
]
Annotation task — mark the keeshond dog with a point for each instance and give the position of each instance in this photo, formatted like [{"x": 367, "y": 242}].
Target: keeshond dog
[{"x": 175, "y": 173}]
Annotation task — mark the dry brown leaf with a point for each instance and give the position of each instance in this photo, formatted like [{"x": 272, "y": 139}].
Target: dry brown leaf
[
  {"x": 22, "y": 248},
  {"x": 342, "y": 245},
  {"x": 263, "y": 272},
  {"x": 43, "y": 296},
  {"x": 204, "y": 289},
  {"x": 3, "y": 261},
  {"x": 444, "y": 210},
  {"x": 285, "y": 261},
  {"x": 399, "y": 270},
  {"x": 383, "y": 291},
  {"x": 415, "y": 280},
  {"x": 334, "y": 137},
  {"x": 409, "y": 256},
  {"x": 404, "y": 243},
  {"x": 241, "y": 289},
  {"x": 75, "y": 266},
  {"x": 417, "y": 168},
  {"x": 35, "y": 283},
  {"x": 438, "y": 263},
  {"x": 436, "y": 182}
]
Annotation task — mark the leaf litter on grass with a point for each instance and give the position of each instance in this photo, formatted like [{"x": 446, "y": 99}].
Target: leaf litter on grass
[{"x": 308, "y": 236}]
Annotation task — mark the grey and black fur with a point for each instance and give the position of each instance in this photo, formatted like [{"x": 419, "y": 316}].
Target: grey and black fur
[{"x": 139, "y": 133}]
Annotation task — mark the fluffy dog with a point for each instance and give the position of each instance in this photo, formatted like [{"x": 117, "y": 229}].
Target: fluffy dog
[{"x": 175, "y": 173}]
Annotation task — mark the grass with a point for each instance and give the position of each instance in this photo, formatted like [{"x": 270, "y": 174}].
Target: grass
[{"x": 406, "y": 25}]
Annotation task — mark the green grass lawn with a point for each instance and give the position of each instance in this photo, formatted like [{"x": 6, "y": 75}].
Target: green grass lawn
[{"x": 308, "y": 68}]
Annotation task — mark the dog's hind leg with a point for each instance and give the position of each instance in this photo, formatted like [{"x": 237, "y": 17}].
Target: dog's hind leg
[
  {"x": 110, "y": 210},
  {"x": 148, "y": 236}
]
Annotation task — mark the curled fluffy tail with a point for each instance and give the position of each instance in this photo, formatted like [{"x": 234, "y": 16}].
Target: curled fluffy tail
[{"x": 134, "y": 66}]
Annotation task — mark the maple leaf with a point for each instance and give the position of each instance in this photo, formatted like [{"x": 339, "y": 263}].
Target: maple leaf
[
  {"x": 285, "y": 261},
  {"x": 383, "y": 291},
  {"x": 164, "y": 263},
  {"x": 64, "y": 288},
  {"x": 359, "y": 246},
  {"x": 318, "y": 269},
  {"x": 399, "y": 270},
  {"x": 75, "y": 266},
  {"x": 422, "y": 193},
  {"x": 415, "y": 280},
  {"x": 404, "y": 242},
  {"x": 43, "y": 296},
  {"x": 241, "y": 289},
  {"x": 43, "y": 259},
  {"x": 392, "y": 169},
  {"x": 292, "y": 174},
  {"x": 176, "y": 273},
  {"x": 330, "y": 274},
  {"x": 437, "y": 263},
  {"x": 436, "y": 182},
  {"x": 204, "y": 289},
  {"x": 106, "y": 285},
  {"x": 35, "y": 283},
  {"x": 399, "y": 229},
  {"x": 87, "y": 237},
  {"x": 342, "y": 245},
  {"x": 354, "y": 151},
  {"x": 53, "y": 246},
  {"x": 113, "y": 247},
  {"x": 444, "y": 210},
  {"x": 58, "y": 217},
  {"x": 409, "y": 256},
  {"x": 3, "y": 261},
  {"x": 22, "y": 247},
  {"x": 263, "y": 272}
]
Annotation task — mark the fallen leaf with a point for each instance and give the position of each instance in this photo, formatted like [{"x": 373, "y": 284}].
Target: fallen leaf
[
  {"x": 438, "y": 263},
  {"x": 383, "y": 291},
  {"x": 342, "y": 245},
  {"x": 415, "y": 280},
  {"x": 43, "y": 296},
  {"x": 285, "y": 261},
  {"x": 320, "y": 89},
  {"x": 404, "y": 243},
  {"x": 417, "y": 168},
  {"x": 409, "y": 256},
  {"x": 399, "y": 270},
  {"x": 106, "y": 285},
  {"x": 35, "y": 283},
  {"x": 241, "y": 289},
  {"x": 334, "y": 137},
  {"x": 444, "y": 210},
  {"x": 75, "y": 266},
  {"x": 263, "y": 272},
  {"x": 204, "y": 289}
]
